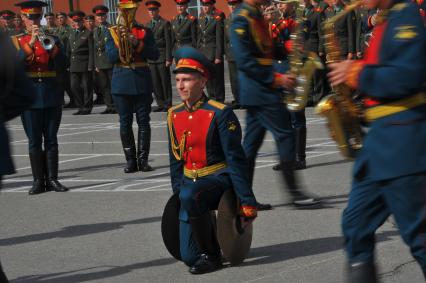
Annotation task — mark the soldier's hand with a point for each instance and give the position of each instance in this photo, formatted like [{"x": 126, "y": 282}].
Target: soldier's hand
[
  {"x": 338, "y": 72},
  {"x": 350, "y": 56},
  {"x": 168, "y": 63},
  {"x": 288, "y": 81},
  {"x": 35, "y": 30},
  {"x": 133, "y": 40},
  {"x": 359, "y": 55},
  {"x": 217, "y": 61},
  {"x": 97, "y": 70}
]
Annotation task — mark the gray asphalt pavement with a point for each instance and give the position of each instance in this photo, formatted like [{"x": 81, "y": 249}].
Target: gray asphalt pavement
[{"x": 107, "y": 228}]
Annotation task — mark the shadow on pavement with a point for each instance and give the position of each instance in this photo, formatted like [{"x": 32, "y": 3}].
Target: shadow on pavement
[
  {"x": 76, "y": 231},
  {"x": 71, "y": 277},
  {"x": 287, "y": 251},
  {"x": 309, "y": 166}
]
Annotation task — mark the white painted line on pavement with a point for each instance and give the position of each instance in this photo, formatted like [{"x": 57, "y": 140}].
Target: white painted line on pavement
[{"x": 65, "y": 161}]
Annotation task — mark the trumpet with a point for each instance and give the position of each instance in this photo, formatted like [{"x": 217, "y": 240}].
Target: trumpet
[{"x": 47, "y": 41}]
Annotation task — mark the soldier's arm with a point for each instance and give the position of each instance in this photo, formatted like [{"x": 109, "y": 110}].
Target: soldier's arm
[
  {"x": 404, "y": 72},
  {"x": 258, "y": 70},
  {"x": 237, "y": 165},
  {"x": 168, "y": 39},
  {"x": 91, "y": 43},
  {"x": 150, "y": 50},
  {"x": 219, "y": 38},
  {"x": 176, "y": 166}
]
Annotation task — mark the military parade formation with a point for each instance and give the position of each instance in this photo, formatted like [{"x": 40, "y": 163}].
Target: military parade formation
[{"x": 363, "y": 64}]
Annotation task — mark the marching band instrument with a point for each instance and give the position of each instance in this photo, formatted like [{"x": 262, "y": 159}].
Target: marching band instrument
[
  {"x": 343, "y": 114},
  {"x": 47, "y": 41},
  {"x": 125, "y": 21}
]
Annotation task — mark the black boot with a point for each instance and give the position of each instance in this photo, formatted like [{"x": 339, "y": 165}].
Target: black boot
[
  {"x": 299, "y": 198},
  {"x": 52, "y": 183},
  {"x": 3, "y": 278},
  {"x": 300, "y": 149},
  {"x": 362, "y": 272},
  {"x": 129, "y": 148},
  {"x": 144, "y": 142},
  {"x": 37, "y": 168},
  {"x": 204, "y": 236}
]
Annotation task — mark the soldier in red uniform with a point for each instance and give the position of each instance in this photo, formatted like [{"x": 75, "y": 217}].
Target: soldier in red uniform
[
  {"x": 41, "y": 122},
  {"x": 206, "y": 159}
]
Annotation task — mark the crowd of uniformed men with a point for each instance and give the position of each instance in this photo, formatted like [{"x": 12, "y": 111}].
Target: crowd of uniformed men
[{"x": 89, "y": 71}]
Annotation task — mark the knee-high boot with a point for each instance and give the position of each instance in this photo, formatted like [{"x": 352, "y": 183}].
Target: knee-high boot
[
  {"x": 362, "y": 272},
  {"x": 144, "y": 142},
  {"x": 129, "y": 148},
  {"x": 300, "y": 149},
  {"x": 204, "y": 236},
  {"x": 52, "y": 183},
  {"x": 37, "y": 168}
]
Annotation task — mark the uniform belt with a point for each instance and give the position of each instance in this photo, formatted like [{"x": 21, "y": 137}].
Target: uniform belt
[
  {"x": 208, "y": 170},
  {"x": 377, "y": 112},
  {"x": 132, "y": 65},
  {"x": 265, "y": 61},
  {"x": 49, "y": 74}
]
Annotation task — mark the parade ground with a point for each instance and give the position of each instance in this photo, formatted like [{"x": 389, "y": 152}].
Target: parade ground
[{"x": 107, "y": 228}]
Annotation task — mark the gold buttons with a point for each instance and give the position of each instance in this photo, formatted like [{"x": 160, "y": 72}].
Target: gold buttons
[
  {"x": 190, "y": 117},
  {"x": 190, "y": 148},
  {"x": 193, "y": 164},
  {"x": 189, "y": 133}
]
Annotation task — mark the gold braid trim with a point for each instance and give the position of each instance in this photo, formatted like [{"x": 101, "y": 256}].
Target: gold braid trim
[
  {"x": 114, "y": 34},
  {"x": 178, "y": 149}
]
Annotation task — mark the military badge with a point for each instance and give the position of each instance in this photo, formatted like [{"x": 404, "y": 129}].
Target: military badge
[{"x": 232, "y": 126}]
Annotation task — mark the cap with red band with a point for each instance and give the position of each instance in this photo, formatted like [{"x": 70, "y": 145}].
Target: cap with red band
[
  {"x": 77, "y": 15},
  {"x": 31, "y": 8},
  {"x": 100, "y": 10},
  {"x": 152, "y": 4},
  {"x": 7, "y": 14},
  {"x": 190, "y": 60}
]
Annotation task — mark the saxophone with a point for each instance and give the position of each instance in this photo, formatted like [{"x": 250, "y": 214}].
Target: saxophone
[
  {"x": 343, "y": 114},
  {"x": 301, "y": 65},
  {"x": 125, "y": 19}
]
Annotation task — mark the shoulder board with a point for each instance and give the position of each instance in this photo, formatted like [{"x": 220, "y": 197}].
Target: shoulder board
[
  {"x": 399, "y": 7},
  {"x": 217, "y": 17},
  {"x": 15, "y": 41},
  {"x": 191, "y": 17},
  {"x": 171, "y": 109},
  {"x": 244, "y": 13},
  {"x": 216, "y": 104}
]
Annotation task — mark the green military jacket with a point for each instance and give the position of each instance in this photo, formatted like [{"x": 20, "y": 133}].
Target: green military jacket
[
  {"x": 80, "y": 50},
  {"x": 101, "y": 60},
  {"x": 161, "y": 30},
  {"x": 184, "y": 31},
  {"x": 210, "y": 34},
  {"x": 226, "y": 39}
]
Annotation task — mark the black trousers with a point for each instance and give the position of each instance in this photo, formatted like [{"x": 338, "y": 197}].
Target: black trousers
[
  {"x": 216, "y": 85},
  {"x": 162, "y": 84},
  {"x": 104, "y": 77},
  {"x": 64, "y": 81},
  {"x": 82, "y": 89}
]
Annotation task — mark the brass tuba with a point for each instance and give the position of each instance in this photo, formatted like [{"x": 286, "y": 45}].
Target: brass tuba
[
  {"x": 343, "y": 114},
  {"x": 301, "y": 65},
  {"x": 125, "y": 19}
]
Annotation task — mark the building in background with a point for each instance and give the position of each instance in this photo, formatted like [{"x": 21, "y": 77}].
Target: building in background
[{"x": 168, "y": 9}]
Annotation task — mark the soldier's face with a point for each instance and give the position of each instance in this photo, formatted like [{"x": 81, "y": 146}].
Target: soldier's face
[
  {"x": 206, "y": 8},
  {"x": 153, "y": 13},
  {"x": 181, "y": 8},
  {"x": 30, "y": 22},
  {"x": 190, "y": 86},
  {"x": 62, "y": 20},
  {"x": 50, "y": 20},
  {"x": 18, "y": 22},
  {"x": 231, "y": 8},
  {"x": 76, "y": 24},
  {"x": 100, "y": 19}
]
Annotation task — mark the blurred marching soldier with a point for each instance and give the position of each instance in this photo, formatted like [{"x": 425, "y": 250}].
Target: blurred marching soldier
[
  {"x": 6, "y": 17},
  {"x": 63, "y": 32},
  {"x": 232, "y": 67},
  {"x": 41, "y": 122},
  {"x": 80, "y": 54},
  {"x": 184, "y": 27},
  {"x": 129, "y": 45},
  {"x": 16, "y": 95},
  {"x": 103, "y": 67},
  {"x": 160, "y": 68},
  {"x": 363, "y": 29},
  {"x": 210, "y": 43},
  {"x": 50, "y": 26},
  {"x": 206, "y": 160},
  {"x": 19, "y": 25},
  {"x": 260, "y": 94},
  {"x": 345, "y": 28},
  {"x": 422, "y": 9},
  {"x": 391, "y": 77}
]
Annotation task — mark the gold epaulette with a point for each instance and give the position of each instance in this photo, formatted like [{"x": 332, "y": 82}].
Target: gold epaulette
[
  {"x": 399, "y": 7},
  {"x": 177, "y": 148},
  {"x": 171, "y": 109},
  {"x": 244, "y": 13},
  {"x": 216, "y": 104}
]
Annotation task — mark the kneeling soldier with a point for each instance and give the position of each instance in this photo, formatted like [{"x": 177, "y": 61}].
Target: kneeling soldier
[{"x": 206, "y": 160}]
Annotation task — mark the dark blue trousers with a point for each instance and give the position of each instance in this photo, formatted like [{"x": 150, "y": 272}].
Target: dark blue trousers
[
  {"x": 41, "y": 126},
  {"x": 298, "y": 119},
  {"x": 274, "y": 118},
  {"x": 198, "y": 198},
  {"x": 371, "y": 203},
  {"x": 126, "y": 105}
]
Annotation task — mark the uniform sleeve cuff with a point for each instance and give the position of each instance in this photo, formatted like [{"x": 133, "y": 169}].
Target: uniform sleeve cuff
[
  {"x": 352, "y": 77},
  {"x": 248, "y": 211}
]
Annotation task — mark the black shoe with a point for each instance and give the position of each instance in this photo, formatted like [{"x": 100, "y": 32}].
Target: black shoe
[
  {"x": 206, "y": 264},
  {"x": 85, "y": 112},
  {"x": 106, "y": 111},
  {"x": 364, "y": 272},
  {"x": 78, "y": 112},
  {"x": 299, "y": 165},
  {"x": 277, "y": 167},
  {"x": 69, "y": 105},
  {"x": 144, "y": 166},
  {"x": 158, "y": 109},
  {"x": 263, "y": 206},
  {"x": 37, "y": 188},
  {"x": 302, "y": 201},
  {"x": 54, "y": 185},
  {"x": 131, "y": 166},
  {"x": 129, "y": 148},
  {"x": 113, "y": 111}
]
